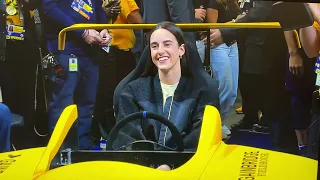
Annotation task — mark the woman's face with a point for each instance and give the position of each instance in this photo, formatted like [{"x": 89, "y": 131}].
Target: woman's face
[{"x": 165, "y": 50}]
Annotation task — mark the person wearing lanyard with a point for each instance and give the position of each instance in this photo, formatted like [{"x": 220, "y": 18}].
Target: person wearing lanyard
[
  {"x": 18, "y": 68},
  {"x": 78, "y": 60}
]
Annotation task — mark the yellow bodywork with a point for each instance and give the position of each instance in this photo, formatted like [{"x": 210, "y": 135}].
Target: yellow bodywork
[{"x": 213, "y": 160}]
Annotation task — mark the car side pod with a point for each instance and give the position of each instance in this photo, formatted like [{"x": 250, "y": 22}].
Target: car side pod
[
  {"x": 67, "y": 118},
  {"x": 213, "y": 160},
  {"x": 210, "y": 139},
  {"x": 32, "y": 163}
]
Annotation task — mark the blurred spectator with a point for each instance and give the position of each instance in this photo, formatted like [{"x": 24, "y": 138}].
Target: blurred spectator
[
  {"x": 201, "y": 17},
  {"x": 138, "y": 47},
  {"x": 176, "y": 11},
  {"x": 301, "y": 78},
  {"x": 78, "y": 60},
  {"x": 245, "y": 6},
  {"x": 300, "y": 82},
  {"x": 264, "y": 74},
  {"x": 118, "y": 63},
  {"x": 18, "y": 67},
  {"x": 224, "y": 58}
]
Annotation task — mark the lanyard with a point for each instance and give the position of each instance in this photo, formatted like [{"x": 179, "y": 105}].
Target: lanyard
[{"x": 165, "y": 134}]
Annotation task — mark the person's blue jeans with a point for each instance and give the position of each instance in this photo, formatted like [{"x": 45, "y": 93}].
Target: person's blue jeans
[
  {"x": 225, "y": 65},
  {"x": 79, "y": 88},
  {"x": 5, "y": 126},
  {"x": 201, "y": 49}
]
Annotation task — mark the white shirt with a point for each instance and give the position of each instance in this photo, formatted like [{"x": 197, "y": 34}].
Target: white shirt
[{"x": 167, "y": 91}]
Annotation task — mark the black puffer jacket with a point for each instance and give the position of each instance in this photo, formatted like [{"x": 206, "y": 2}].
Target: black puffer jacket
[{"x": 145, "y": 94}]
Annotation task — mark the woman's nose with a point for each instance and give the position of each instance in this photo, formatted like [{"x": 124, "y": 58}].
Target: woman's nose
[{"x": 161, "y": 49}]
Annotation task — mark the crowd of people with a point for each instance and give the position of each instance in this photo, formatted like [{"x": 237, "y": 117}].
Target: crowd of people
[{"x": 274, "y": 74}]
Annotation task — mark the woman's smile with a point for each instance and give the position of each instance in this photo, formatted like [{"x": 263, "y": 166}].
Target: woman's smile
[{"x": 163, "y": 59}]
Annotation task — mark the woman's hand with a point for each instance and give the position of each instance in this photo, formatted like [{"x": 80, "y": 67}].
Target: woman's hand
[
  {"x": 200, "y": 14},
  {"x": 296, "y": 64},
  {"x": 106, "y": 37},
  {"x": 91, "y": 36},
  {"x": 215, "y": 38},
  {"x": 164, "y": 167}
]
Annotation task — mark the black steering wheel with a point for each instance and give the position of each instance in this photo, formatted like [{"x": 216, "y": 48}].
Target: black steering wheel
[{"x": 145, "y": 115}]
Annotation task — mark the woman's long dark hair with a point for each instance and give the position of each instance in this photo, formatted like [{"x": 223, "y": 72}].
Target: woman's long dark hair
[{"x": 151, "y": 68}]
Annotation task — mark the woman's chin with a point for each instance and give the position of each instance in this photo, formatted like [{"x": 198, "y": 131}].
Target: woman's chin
[
  {"x": 163, "y": 67},
  {"x": 163, "y": 70}
]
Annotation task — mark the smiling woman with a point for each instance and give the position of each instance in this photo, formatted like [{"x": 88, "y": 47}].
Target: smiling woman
[
  {"x": 166, "y": 87},
  {"x": 168, "y": 51}
]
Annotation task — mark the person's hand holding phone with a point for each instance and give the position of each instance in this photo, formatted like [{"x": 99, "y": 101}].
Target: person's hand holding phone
[
  {"x": 106, "y": 37},
  {"x": 91, "y": 36},
  {"x": 200, "y": 14}
]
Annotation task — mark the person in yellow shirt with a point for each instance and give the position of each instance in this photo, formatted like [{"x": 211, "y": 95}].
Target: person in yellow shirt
[
  {"x": 124, "y": 39},
  {"x": 120, "y": 60}
]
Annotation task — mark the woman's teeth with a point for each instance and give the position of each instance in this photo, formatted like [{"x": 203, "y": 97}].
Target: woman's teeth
[{"x": 163, "y": 58}]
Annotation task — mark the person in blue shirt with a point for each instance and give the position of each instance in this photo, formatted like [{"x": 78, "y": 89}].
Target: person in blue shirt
[
  {"x": 78, "y": 60},
  {"x": 5, "y": 125}
]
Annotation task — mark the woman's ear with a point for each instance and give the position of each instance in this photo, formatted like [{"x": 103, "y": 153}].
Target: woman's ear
[{"x": 182, "y": 50}]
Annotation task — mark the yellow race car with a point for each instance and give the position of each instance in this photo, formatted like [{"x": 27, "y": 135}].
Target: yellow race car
[{"x": 212, "y": 160}]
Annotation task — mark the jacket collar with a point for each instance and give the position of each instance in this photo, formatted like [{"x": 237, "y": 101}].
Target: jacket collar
[{"x": 178, "y": 94}]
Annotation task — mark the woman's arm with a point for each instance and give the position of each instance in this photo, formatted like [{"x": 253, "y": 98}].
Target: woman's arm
[
  {"x": 212, "y": 15},
  {"x": 310, "y": 41},
  {"x": 314, "y": 7},
  {"x": 131, "y": 12},
  {"x": 212, "y": 11},
  {"x": 295, "y": 60},
  {"x": 134, "y": 17}
]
